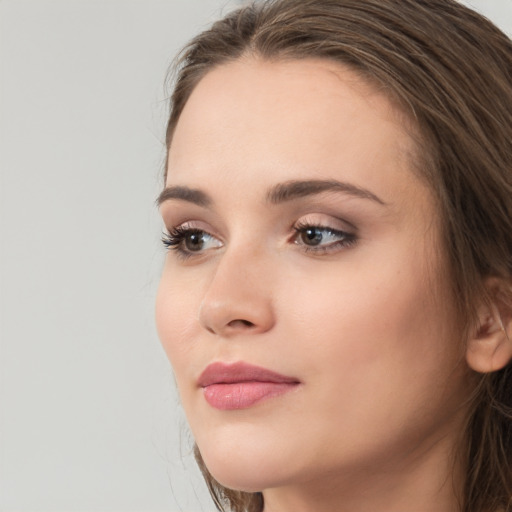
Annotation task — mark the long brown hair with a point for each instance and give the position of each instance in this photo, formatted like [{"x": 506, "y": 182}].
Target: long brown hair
[{"x": 450, "y": 69}]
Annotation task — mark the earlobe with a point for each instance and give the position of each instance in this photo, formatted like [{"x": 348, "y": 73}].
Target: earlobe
[{"x": 490, "y": 347}]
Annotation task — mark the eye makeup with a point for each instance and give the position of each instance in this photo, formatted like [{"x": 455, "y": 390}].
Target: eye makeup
[{"x": 187, "y": 240}]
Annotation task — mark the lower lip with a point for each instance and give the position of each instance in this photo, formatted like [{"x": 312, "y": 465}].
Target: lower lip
[{"x": 240, "y": 395}]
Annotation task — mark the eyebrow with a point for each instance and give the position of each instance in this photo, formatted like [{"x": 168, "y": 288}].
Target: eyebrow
[
  {"x": 294, "y": 189},
  {"x": 279, "y": 193},
  {"x": 192, "y": 195}
]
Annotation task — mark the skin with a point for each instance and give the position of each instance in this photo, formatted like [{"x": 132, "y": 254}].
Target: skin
[{"x": 366, "y": 327}]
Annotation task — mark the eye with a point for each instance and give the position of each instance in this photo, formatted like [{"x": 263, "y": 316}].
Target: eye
[
  {"x": 187, "y": 241},
  {"x": 322, "y": 238}
]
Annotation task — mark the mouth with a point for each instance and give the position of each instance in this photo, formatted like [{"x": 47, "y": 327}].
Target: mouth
[{"x": 241, "y": 385}]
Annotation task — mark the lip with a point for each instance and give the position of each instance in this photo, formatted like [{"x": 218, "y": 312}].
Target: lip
[{"x": 241, "y": 385}]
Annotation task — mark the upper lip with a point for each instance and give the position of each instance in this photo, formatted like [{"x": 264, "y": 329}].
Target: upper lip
[{"x": 224, "y": 373}]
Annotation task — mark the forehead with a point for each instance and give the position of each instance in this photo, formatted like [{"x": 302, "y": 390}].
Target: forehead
[{"x": 256, "y": 121}]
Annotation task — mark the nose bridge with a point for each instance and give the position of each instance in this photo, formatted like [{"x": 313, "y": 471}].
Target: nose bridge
[{"x": 239, "y": 295}]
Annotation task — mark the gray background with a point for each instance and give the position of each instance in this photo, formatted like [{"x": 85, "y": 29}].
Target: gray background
[{"x": 89, "y": 419}]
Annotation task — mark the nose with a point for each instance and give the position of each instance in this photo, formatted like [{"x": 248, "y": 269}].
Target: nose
[{"x": 238, "y": 299}]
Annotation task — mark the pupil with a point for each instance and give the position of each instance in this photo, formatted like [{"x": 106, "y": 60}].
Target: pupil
[
  {"x": 312, "y": 236},
  {"x": 194, "y": 241}
]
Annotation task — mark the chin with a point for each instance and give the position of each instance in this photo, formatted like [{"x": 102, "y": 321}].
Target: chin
[
  {"x": 243, "y": 471},
  {"x": 237, "y": 476}
]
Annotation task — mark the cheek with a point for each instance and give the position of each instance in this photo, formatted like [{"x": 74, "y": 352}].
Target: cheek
[
  {"x": 377, "y": 317},
  {"x": 376, "y": 348}
]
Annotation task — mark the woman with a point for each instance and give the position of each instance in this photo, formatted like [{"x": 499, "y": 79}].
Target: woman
[{"x": 336, "y": 300}]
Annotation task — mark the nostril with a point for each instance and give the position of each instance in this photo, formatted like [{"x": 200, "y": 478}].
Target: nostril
[{"x": 240, "y": 323}]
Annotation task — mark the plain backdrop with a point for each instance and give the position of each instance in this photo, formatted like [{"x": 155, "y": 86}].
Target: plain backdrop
[{"x": 89, "y": 417}]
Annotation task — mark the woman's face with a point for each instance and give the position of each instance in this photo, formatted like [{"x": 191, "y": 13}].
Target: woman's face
[{"x": 303, "y": 243}]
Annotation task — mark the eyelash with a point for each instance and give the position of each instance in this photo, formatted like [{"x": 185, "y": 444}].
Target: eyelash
[
  {"x": 175, "y": 239},
  {"x": 346, "y": 239}
]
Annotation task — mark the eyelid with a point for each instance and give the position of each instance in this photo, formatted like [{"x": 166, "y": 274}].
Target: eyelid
[
  {"x": 194, "y": 225},
  {"x": 342, "y": 241},
  {"x": 180, "y": 213},
  {"x": 336, "y": 235},
  {"x": 176, "y": 238},
  {"x": 327, "y": 221}
]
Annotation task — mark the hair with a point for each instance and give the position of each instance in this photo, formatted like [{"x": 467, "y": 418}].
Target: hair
[{"x": 450, "y": 70}]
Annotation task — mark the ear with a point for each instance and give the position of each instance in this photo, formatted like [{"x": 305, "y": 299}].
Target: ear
[{"x": 490, "y": 347}]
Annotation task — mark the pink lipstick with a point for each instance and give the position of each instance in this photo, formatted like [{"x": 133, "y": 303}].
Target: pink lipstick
[{"x": 241, "y": 385}]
